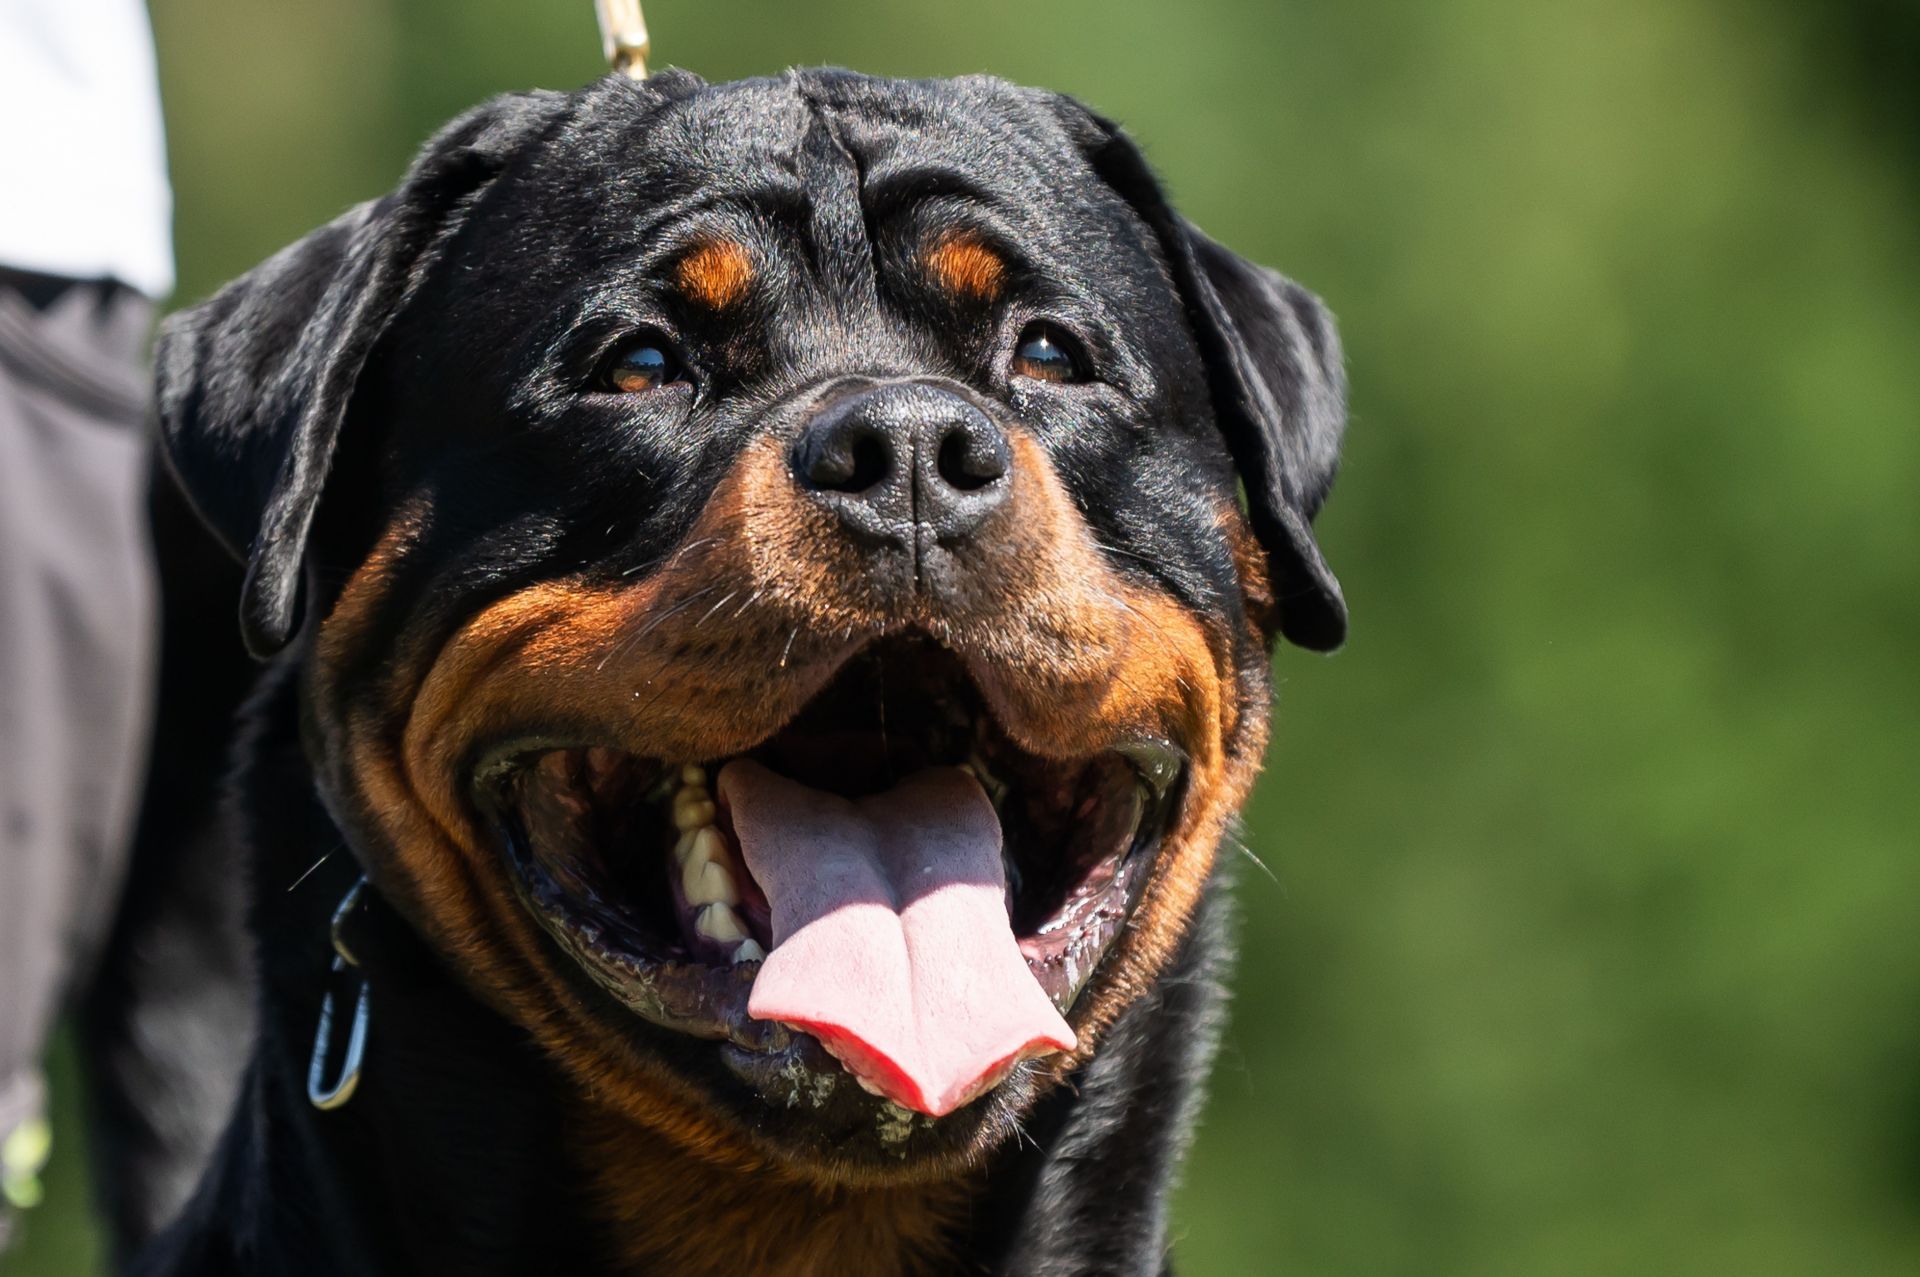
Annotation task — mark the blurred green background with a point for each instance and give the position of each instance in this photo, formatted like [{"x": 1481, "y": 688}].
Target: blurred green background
[{"x": 1590, "y": 944}]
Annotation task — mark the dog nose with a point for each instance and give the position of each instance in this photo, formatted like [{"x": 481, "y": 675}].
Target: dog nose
[{"x": 903, "y": 461}]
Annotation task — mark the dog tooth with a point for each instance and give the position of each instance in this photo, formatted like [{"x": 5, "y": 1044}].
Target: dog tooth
[
  {"x": 692, "y": 808},
  {"x": 707, "y": 882},
  {"x": 710, "y": 844},
  {"x": 719, "y": 922},
  {"x": 683, "y": 846},
  {"x": 749, "y": 951},
  {"x": 693, "y": 774}
]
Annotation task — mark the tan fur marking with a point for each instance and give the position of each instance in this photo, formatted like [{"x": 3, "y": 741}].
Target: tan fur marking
[
  {"x": 1250, "y": 564},
  {"x": 1072, "y": 656},
  {"x": 962, "y": 264},
  {"x": 716, "y": 274},
  {"x": 676, "y": 1215}
]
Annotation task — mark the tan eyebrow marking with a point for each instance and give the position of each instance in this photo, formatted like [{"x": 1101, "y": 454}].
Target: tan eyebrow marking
[
  {"x": 716, "y": 273},
  {"x": 964, "y": 265}
]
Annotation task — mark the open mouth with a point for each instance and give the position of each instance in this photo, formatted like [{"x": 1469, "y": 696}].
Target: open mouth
[{"x": 889, "y": 874}]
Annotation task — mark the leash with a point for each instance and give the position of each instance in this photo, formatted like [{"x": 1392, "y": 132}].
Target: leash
[{"x": 623, "y": 36}]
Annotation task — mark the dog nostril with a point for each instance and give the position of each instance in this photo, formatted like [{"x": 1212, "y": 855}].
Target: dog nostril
[
  {"x": 969, "y": 462},
  {"x": 871, "y": 461},
  {"x": 853, "y": 466}
]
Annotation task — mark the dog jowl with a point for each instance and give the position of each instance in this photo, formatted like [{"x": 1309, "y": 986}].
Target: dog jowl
[{"x": 776, "y": 581}]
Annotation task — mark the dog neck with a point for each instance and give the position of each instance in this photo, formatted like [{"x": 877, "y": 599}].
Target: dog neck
[
  {"x": 463, "y": 1149},
  {"x": 467, "y": 1147}
]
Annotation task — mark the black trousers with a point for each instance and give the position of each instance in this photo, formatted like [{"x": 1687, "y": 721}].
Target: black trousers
[{"x": 77, "y": 619}]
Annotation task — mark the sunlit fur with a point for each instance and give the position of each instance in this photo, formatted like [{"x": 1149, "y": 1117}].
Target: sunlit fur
[
  {"x": 716, "y": 274},
  {"x": 709, "y": 654}
]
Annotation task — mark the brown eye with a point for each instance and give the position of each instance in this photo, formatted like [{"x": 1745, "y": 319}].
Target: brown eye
[
  {"x": 643, "y": 365},
  {"x": 1045, "y": 354}
]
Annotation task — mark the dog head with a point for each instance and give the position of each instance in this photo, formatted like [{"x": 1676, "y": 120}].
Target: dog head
[{"x": 775, "y": 602}]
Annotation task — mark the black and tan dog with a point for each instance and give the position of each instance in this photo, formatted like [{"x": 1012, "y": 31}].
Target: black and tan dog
[{"x": 754, "y": 576}]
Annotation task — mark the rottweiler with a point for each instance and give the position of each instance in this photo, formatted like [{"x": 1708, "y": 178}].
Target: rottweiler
[{"x": 773, "y": 586}]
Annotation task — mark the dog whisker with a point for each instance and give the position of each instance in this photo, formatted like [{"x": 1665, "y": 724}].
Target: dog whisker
[
  {"x": 1205, "y": 588},
  {"x": 627, "y": 645},
  {"x": 751, "y": 600},
  {"x": 314, "y": 867},
  {"x": 667, "y": 561},
  {"x": 1235, "y": 842},
  {"x": 708, "y": 614}
]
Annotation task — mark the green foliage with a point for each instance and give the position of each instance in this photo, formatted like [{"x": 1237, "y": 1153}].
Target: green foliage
[{"x": 1590, "y": 942}]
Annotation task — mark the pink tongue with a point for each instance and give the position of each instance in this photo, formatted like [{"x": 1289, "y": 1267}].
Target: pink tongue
[{"x": 891, "y": 942}]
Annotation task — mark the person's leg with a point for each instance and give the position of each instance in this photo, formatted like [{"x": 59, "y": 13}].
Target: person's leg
[{"x": 76, "y": 650}]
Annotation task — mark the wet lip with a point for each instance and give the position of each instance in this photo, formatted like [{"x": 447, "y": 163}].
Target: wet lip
[{"x": 612, "y": 853}]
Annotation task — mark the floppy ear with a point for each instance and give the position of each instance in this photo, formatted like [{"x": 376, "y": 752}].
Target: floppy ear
[
  {"x": 1278, "y": 380},
  {"x": 253, "y": 384}
]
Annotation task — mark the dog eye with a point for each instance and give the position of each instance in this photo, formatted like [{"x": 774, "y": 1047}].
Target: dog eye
[
  {"x": 642, "y": 364},
  {"x": 1046, "y": 353}
]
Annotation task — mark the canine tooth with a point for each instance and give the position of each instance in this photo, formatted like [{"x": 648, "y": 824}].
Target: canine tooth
[
  {"x": 692, "y": 808},
  {"x": 693, "y": 774},
  {"x": 684, "y": 846},
  {"x": 719, "y": 922},
  {"x": 707, "y": 882},
  {"x": 709, "y": 844},
  {"x": 749, "y": 951}
]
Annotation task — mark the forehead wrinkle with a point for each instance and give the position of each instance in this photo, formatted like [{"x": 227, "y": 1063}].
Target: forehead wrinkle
[
  {"x": 650, "y": 243},
  {"x": 891, "y": 189},
  {"x": 840, "y": 238}
]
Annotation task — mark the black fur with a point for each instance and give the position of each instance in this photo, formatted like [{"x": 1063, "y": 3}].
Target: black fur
[
  {"x": 173, "y": 995},
  {"x": 254, "y": 384},
  {"x": 1278, "y": 378},
  {"x": 433, "y": 341}
]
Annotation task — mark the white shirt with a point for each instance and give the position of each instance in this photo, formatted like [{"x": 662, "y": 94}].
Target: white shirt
[{"x": 83, "y": 162}]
